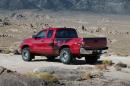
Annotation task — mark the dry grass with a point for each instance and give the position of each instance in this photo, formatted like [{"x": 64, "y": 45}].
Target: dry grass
[
  {"x": 101, "y": 67},
  {"x": 42, "y": 75},
  {"x": 6, "y": 51},
  {"x": 114, "y": 27},
  {"x": 107, "y": 62},
  {"x": 86, "y": 76},
  {"x": 94, "y": 73}
]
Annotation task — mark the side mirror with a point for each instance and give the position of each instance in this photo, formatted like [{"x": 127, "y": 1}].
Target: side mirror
[{"x": 33, "y": 36}]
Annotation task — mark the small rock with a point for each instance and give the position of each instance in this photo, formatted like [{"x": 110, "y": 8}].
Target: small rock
[
  {"x": 119, "y": 66},
  {"x": 126, "y": 70},
  {"x": 96, "y": 74},
  {"x": 2, "y": 70},
  {"x": 122, "y": 65}
]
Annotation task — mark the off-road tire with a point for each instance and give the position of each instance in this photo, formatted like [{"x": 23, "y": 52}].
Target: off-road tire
[
  {"x": 66, "y": 56},
  {"x": 27, "y": 55}
]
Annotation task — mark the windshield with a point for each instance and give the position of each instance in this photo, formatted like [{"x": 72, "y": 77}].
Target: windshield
[{"x": 64, "y": 33}]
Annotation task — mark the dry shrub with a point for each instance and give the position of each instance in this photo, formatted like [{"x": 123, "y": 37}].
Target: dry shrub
[
  {"x": 86, "y": 76},
  {"x": 6, "y": 51},
  {"x": 42, "y": 75},
  {"x": 91, "y": 74},
  {"x": 107, "y": 62},
  {"x": 14, "y": 48},
  {"x": 101, "y": 67}
]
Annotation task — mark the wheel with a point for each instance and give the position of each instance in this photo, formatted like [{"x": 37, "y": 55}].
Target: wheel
[
  {"x": 73, "y": 60},
  {"x": 65, "y": 56},
  {"x": 91, "y": 59},
  {"x": 50, "y": 58},
  {"x": 26, "y": 55}
]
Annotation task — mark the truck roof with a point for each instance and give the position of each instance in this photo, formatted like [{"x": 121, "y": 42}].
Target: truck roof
[{"x": 59, "y": 28}]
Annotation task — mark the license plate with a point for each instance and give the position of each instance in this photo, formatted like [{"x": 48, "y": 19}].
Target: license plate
[{"x": 83, "y": 51}]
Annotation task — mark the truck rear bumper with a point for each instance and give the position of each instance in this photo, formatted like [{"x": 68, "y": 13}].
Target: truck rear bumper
[{"x": 84, "y": 51}]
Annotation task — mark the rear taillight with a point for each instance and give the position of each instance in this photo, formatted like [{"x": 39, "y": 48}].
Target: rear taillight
[{"x": 82, "y": 42}]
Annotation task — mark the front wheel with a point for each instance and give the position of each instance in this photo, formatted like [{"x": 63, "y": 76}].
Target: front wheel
[
  {"x": 65, "y": 56},
  {"x": 26, "y": 54}
]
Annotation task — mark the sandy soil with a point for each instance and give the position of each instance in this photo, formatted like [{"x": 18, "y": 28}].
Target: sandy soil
[
  {"x": 22, "y": 24},
  {"x": 15, "y": 63}
]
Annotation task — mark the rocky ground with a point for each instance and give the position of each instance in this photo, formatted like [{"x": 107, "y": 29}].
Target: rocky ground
[
  {"x": 11, "y": 78},
  {"x": 40, "y": 72},
  {"x": 66, "y": 77}
]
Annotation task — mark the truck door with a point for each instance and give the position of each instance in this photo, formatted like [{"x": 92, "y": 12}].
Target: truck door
[
  {"x": 38, "y": 42},
  {"x": 49, "y": 43}
]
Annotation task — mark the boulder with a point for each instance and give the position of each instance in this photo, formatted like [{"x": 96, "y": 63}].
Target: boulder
[{"x": 12, "y": 78}]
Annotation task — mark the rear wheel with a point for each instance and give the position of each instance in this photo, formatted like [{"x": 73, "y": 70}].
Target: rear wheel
[
  {"x": 66, "y": 56},
  {"x": 91, "y": 59},
  {"x": 26, "y": 54}
]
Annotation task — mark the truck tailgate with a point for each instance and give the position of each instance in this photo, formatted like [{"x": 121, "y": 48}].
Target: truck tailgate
[{"x": 95, "y": 43}]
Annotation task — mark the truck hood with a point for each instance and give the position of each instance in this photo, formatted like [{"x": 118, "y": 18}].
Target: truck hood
[{"x": 27, "y": 40}]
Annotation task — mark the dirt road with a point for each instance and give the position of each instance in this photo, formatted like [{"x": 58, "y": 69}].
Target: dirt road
[{"x": 15, "y": 62}]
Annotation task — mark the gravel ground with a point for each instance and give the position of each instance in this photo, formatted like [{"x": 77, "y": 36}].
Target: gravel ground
[
  {"x": 15, "y": 63},
  {"x": 71, "y": 75}
]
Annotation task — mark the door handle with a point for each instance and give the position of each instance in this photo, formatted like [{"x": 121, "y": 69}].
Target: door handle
[{"x": 51, "y": 44}]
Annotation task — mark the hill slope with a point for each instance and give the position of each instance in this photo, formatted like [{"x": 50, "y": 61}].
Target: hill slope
[{"x": 114, "y": 6}]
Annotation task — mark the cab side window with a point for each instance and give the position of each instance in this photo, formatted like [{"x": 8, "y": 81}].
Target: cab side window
[
  {"x": 50, "y": 33},
  {"x": 41, "y": 34}
]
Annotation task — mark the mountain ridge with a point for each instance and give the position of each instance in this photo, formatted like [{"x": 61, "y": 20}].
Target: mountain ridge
[{"x": 112, "y": 6}]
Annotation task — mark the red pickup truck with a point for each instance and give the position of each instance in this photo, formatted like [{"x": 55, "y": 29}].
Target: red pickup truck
[{"x": 63, "y": 42}]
